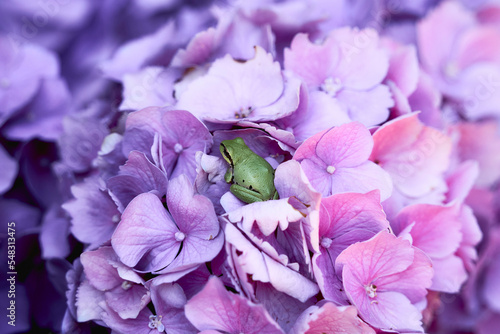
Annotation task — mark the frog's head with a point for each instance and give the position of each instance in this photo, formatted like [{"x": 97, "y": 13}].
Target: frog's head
[{"x": 232, "y": 149}]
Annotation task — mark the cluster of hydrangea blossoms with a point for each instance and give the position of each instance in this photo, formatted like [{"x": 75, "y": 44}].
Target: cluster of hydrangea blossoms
[{"x": 378, "y": 167}]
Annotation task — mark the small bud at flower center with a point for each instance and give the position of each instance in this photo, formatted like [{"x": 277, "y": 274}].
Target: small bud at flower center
[
  {"x": 330, "y": 169},
  {"x": 179, "y": 236},
  {"x": 326, "y": 242},
  {"x": 178, "y": 148}
]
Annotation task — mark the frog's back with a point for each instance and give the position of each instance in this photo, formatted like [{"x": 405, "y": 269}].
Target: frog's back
[{"x": 256, "y": 173}]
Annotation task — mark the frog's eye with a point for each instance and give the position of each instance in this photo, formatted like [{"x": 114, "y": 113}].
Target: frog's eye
[{"x": 239, "y": 140}]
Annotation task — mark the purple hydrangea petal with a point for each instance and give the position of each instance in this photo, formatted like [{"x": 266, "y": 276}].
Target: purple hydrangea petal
[
  {"x": 368, "y": 107},
  {"x": 169, "y": 301},
  {"x": 87, "y": 300},
  {"x": 93, "y": 213},
  {"x": 210, "y": 179},
  {"x": 214, "y": 308},
  {"x": 197, "y": 222},
  {"x": 280, "y": 306},
  {"x": 98, "y": 269},
  {"x": 42, "y": 117},
  {"x": 151, "y": 86},
  {"x": 232, "y": 90},
  {"x": 138, "y": 325},
  {"x": 81, "y": 141},
  {"x": 54, "y": 234},
  {"x": 264, "y": 268},
  {"x": 23, "y": 68},
  {"x": 133, "y": 55},
  {"x": 145, "y": 237},
  {"x": 137, "y": 176},
  {"x": 181, "y": 133},
  {"x": 9, "y": 172}
]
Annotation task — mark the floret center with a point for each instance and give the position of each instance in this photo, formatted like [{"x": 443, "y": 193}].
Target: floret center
[
  {"x": 371, "y": 290},
  {"x": 331, "y": 86},
  {"x": 155, "y": 322}
]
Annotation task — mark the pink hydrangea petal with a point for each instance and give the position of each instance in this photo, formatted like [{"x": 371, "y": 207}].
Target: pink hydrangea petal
[
  {"x": 364, "y": 178},
  {"x": 413, "y": 281},
  {"x": 291, "y": 181},
  {"x": 393, "y": 312},
  {"x": 363, "y": 64},
  {"x": 437, "y": 33},
  {"x": 319, "y": 178},
  {"x": 404, "y": 68},
  {"x": 417, "y": 160},
  {"x": 313, "y": 63},
  {"x": 436, "y": 230},
  {"x": 461, "y": 181},
  {"x": 480, "y": 142},
  {"x": 449, "y": 274},
  {"x": 478, "y": 45},
  {"x": 393, "y": 255},
  {"x": 345, "y": 146},
  {"x": 342, "y": 212},
  {"x": 367, "y": 267},
  {"x": 329, "y": 318}
]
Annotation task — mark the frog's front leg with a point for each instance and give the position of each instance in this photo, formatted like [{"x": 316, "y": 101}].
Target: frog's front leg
[
  {"x": 246, "y": 195},
  {"x": 228, "y": 177}
]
